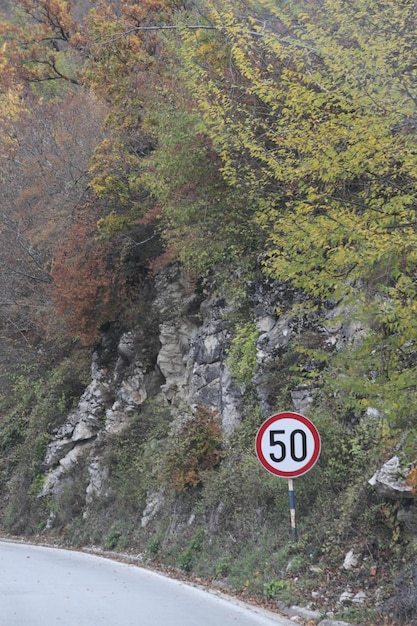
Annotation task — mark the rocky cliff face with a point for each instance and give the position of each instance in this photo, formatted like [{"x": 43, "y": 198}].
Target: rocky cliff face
[
  {"x": 180, "y": 356},
  {"x": 184, "y": 364}
]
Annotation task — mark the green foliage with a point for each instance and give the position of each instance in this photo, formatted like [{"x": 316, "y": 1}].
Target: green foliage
[
  {"x": 222, "y": 568},
  {"x": 134, "y": 462},
  {"x": 153, "y": 547},
  {"x": 117, "y": 537},
  {"x": 36, "y": 403},
  {"x": 272, "y": 588},
  {"x": 186, "y": 558},
  {"x": 113, "y": 539},
  {"x": 70, "y": 502},
  {"x": 241, "y": 356},
  {"x": 183, "y": 175},
  {"x": 37, "y": 485},
  {"x": 245, "y": 512}
]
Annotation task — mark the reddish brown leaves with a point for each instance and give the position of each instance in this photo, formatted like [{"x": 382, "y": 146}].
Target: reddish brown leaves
[{"x": 88, "y": 289}]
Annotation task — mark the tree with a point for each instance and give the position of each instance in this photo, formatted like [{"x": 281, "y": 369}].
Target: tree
[
  {"x": 86, "y": 288},
  {"x": 122, "y": 68},
  {"x": 45, "y": 149},
  {"x": 158, "y": 153},
  {"x": 40, "y": 43},
  {"x": 314, "y": 119},
  {"x": 47, "y": 141}
]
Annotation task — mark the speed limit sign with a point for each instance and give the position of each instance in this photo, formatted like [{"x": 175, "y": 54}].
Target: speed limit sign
[{"x": 288, "y": 444}]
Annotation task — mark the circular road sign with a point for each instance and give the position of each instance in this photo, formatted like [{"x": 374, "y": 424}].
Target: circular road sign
[{"x": 288, "y": 444}]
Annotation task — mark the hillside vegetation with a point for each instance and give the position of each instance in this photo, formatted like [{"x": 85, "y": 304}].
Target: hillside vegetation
[{"x": 240, "y": 141}]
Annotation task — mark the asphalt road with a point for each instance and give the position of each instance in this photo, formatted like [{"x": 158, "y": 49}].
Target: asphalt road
[{"x": 46, "y": 586}]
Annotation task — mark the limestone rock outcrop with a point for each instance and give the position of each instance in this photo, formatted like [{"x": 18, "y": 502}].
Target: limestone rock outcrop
[{"x": 390, "y": 482}]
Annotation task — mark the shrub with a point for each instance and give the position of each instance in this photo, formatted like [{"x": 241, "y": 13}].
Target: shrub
[
  {"x": 186, "y": 558},
  {"x": 242, "y": 354},
  {"x": 195, "y": 448},
  {"x": 273, "y": 587}
]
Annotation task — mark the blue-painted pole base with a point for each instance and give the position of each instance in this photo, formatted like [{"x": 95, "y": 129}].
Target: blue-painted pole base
[{"x": 292, "y": 509}]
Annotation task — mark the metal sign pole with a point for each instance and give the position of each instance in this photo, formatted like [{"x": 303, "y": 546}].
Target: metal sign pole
[{"x": 292, "y": 509}]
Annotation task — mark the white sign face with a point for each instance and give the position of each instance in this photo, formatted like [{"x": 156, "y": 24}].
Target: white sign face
[{"x": 288, "y": 444}]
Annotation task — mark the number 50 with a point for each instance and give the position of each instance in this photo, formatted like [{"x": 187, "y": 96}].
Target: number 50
[{"x": 275, "y": 440}]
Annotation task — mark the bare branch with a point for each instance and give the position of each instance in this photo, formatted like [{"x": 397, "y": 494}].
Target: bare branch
[{"x": 134, "y": 29}]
